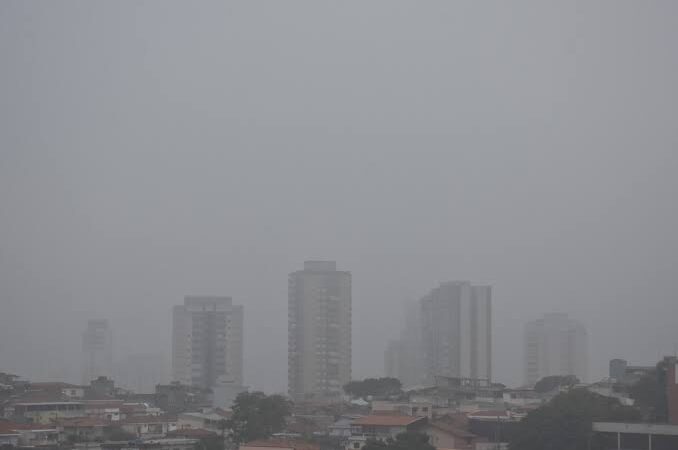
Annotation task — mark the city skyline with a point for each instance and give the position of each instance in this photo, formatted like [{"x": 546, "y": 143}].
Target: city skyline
[{"x": 530, "y": 146}]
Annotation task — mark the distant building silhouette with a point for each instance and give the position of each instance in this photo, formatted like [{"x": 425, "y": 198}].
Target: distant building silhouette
[
  {"x": 456, "y": 325},
  {"x": 555, "y": 345},
  {"x": 207, "y": 342},
  {"x": 319, "y": 355},
  {"x": 97, "y": 351},
  {"x": 141, "y": 372},
  {"x": 403, "y": 356}
]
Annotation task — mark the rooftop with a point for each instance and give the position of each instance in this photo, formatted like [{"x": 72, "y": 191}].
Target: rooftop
[
  {"x": 282, "y": 443},
  {"x": 382, "y": 420},
  {"x": 150, "y": 419},
  {"x": 450, "y": 428}
]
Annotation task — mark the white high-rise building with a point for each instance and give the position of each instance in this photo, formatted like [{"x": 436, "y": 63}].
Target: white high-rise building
[
  {"x": 207, "y": 342},
  {"x": 555, "y": 345},
  {"x": 456, "y": 324},
  {"x": 319, "y": 356},
  {"x": 97, "y": 351}
]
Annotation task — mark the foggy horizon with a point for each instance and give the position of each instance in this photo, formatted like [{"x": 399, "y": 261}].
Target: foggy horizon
[{"x": 151, "y": 151}]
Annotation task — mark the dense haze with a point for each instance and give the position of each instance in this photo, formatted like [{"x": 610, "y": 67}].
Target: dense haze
[{"x": 150, "y": 150}]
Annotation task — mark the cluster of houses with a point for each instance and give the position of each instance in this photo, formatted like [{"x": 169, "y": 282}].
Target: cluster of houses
[
  {"x": 55, "y": 414},
  {"x": 455, "y": 414}
]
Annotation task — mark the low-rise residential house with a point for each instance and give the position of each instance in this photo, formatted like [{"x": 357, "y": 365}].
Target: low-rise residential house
[
  {"x": 68, "y": 390},
  {"x": 153, "y": 444},
  {"x": 176, "y": 397},
  {"x": 82, "y": 429},
  {"x": 8, "y": 435},
  {"x": 47, "y": 412},
  {"x": 104, "y": 409},
  {"x": 192, "y": 433},
  {"x": 419, "y": 409},
  {"x": 29, "y": 434},
  {"x": 495, "y": 425},
  {"x": 444, "y": 435},
  {"x": 522, "y": 397},
  {"x": 129, "y": 409},
  {"x": 211, "y": 420},
  {"x": 608, "y": 389},
  {"x": 149, "y": 426},
  {"x": 279, "y": 444},
  {"x": 382, "y": 427},
  {"x": 341, "y": 428}
]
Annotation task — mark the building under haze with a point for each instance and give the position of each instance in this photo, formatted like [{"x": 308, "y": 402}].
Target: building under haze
[
  {"x": 555, "y": 345},
  {"x": 319, "y": 327},
  {"x": 403, "y": 356},
  {"x": 456, "y": 324},
  {"x": 97, "y": 351},
  {"x": 207, "y": 342},
  {"x": 141, "y": 372}
]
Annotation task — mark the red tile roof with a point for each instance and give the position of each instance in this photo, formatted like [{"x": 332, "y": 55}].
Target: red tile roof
[
  {"x": 378, "y": 420},
  {"x": 9, "y": 427},
  {"x": 83, "y": 422}
]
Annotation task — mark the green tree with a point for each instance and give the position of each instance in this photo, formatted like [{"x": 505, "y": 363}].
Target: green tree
[
  {"x": 547, "y": 384},
  {"x": 409, "y": 440},
  {"x": 649, "y": 393},
  {"x": 565, "y": 423},
  {"x": 376, "y": 387},
  {"x": 257, "y": 415}
]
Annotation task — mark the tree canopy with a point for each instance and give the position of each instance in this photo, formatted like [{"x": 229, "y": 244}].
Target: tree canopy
[
  {"x": 257, "y": 415},
  {"x": 376, "y": 387},
  {"x": 649, "y": 393},
  {"x": 565, "y": 423},
  {"x": 409, "y": 440},
  {"x": 551, "y": 382}
]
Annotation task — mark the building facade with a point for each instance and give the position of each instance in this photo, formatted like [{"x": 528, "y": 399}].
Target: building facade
[
  {"x": 555, "y": 345},
  {"x": 456, "y": 327},
  {"x": 207, "y": 342},
  {"x": 319, "y": 331},
  {"x": 403, "y": 356},
  {"x": 97, "y": 350}
]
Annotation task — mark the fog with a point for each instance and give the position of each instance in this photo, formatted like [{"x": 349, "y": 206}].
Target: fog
[{"x": 152, "y": 150}]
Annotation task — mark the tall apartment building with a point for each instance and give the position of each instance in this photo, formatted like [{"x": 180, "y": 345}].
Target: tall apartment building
[
  {"x": 555, "y": 345},
  {"x": 456, "y": 324},
  {"x": 319, "y": 331},
  {"x": 207, "y": 342},
  {"x": 97, "y": 351},
  {"x": 403, "y": 356}
]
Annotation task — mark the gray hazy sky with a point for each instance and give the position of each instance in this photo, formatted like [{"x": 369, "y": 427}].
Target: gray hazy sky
[{"x": 150, "y": 150}]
